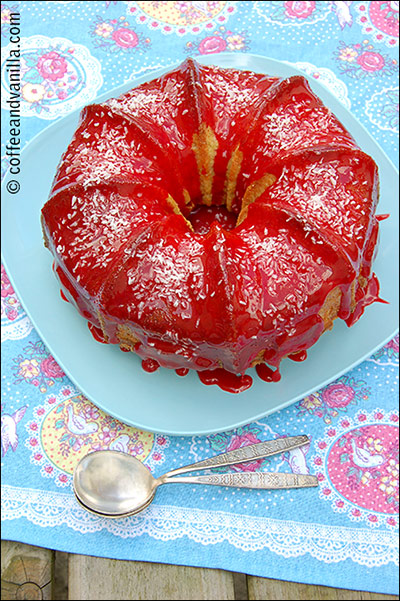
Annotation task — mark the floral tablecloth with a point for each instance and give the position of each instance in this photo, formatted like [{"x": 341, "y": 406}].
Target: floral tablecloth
[{"x": 70, "y": 52}]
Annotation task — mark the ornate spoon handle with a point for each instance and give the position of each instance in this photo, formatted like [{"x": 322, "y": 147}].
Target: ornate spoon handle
[
  {"x": 251, "y": 480},
  {"x": 249, "y": 453}
]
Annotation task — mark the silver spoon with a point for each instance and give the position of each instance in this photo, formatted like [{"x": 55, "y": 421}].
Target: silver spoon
[{"x": 115, "y": 484}]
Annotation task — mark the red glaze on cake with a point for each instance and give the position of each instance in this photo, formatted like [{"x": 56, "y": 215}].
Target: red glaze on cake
[{"x": 214, "y": 219}]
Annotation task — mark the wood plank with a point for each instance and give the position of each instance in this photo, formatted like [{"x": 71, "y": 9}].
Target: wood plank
[
  {"x": 267, "y": 588},
  {"x": 240, "y": 586},
  {"x": 60, "y": 588},
  {"x": 26, "y": 571},
  {"x": 98, "y": 578}
]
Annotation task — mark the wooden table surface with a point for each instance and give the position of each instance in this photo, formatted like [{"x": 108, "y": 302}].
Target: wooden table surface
[{"x": 29, "y": 572}]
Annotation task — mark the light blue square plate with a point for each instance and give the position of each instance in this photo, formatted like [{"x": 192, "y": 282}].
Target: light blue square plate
[{"x": 162, "y": 401}]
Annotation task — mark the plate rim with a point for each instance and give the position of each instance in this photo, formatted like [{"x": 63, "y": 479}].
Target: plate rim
[{"x": 209, "y": 60}]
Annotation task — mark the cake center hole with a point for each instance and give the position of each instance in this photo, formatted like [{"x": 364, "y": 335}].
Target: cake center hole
[{"x": 202, "y": 217}]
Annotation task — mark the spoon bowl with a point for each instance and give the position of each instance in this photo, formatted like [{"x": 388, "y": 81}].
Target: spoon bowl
[{"x": 113, "y": 483}]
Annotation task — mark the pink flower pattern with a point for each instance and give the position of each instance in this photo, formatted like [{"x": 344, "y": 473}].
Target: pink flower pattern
[
  {"x": 212, "y": 45},
  {"x": 125, "y": 38},
  {"x": 37, "y": 367},
  {"x": 51, "y": 369},
  {"x": 334, "y": 399},
  {"x": 363, "y": 60},
  {"x": 371, "y": 61},
  {"x": 48, "y": 76},
  {"x": 52, "y": 66},
  {"x": 220, "y": 40},
  {"x": 338, "y": 395},
  {"x": 117, "y": 35},
  {"x": 299, "y": 10}
]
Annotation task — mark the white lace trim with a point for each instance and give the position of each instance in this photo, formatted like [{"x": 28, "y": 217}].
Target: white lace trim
[
  {"x": 330, "y": 544},
  {"x": 15, "y": 330}
]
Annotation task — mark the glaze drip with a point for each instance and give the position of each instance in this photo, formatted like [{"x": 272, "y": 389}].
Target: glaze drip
[
  {"x": 97, "y": 333},
  {"x": 226, "y": 380},
  {"x": 150, "y": 365},
  {"x": 267, "y": 374}
]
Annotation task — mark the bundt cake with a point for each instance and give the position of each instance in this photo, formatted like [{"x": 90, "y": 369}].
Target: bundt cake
[{"x": 214, "y": 219}]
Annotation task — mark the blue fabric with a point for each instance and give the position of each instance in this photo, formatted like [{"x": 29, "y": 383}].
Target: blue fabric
[{"x": 344, "y": 535}]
